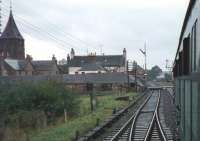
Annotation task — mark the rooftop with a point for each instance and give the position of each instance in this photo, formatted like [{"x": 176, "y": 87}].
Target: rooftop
[
  {"x": 104, "y": 60},
  {"x": 11, "y": 31},
  {"x": 16, "y": 64}
]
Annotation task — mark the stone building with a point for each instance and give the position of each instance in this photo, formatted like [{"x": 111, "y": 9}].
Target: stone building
[
  {"x": 48, "y": 67},
  {"x": 11, "y": 41},
  {"x": 12, "y": 67},
  {"x": 27, "y": 67},
  {"x": 96, "y": 63}
]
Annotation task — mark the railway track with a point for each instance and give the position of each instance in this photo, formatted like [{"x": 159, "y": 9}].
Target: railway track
[
  {"x": 144, "y": 125},
  {"x": 112, "y": 125},
  {"x": 123, "y": 132}
]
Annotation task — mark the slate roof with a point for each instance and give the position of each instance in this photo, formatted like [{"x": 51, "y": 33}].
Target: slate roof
[
  {"x": 16, "y": 64},
  {"x": 108, "y": 78},
  {"x": 95, "y": 78},
  {"x": 92, "y": 67},
  {"x": 11, "y": 31},
  {"x": 107, "y": 60},
  {"x": 42, "y": 65}
]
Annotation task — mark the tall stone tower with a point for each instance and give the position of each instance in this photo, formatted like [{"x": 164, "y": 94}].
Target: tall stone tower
[{"x": 11, "y": 41}]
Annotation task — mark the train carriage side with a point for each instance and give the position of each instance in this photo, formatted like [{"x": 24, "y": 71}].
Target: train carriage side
[{"x": 187, "y": 75}]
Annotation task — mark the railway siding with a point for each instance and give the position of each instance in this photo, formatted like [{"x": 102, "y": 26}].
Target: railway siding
[
  {"x": 96, "y": 134},
  {"x": 146, "y": 123}
]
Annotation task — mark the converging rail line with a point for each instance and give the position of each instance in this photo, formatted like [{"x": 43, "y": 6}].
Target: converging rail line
[{"x": 144, "y": 125}]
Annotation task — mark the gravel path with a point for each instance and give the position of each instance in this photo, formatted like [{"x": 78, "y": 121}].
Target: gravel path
[{"x": 170, "y": 112}]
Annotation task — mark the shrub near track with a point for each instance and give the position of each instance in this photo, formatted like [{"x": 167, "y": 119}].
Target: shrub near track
[
  {"x": 48, "y": 97},
  {"x": 82, "y": 123}
]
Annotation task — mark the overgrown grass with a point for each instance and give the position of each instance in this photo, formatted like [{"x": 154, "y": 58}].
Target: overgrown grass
[{"x": 84, "y": 122}]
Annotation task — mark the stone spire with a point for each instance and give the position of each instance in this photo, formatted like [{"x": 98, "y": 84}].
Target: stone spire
[
  {"x": 11, "y": 41},
  {"x": 72, "y": 54},
  {"x": 11, "y": 31}
]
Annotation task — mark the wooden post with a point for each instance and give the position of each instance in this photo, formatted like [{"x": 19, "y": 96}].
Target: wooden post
[
  {"x": 77, "y": 136},
  {"x": 91, "y": 101},
  {"x": 65, "y": 115},
  {"x": 90, "y": 90}
]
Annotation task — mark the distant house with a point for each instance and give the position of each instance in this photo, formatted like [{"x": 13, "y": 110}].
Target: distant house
[
  {"x": 93, "y": 63},
  {"x": 14, "y": 67},
  {"x": 48, "y": 67}
]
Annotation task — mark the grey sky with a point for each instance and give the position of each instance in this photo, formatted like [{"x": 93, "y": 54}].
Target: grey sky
[{"x": 111, "y": 24}]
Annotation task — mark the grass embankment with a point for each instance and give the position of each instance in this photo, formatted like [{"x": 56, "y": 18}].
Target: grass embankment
[{"x": 84, "y": 122}]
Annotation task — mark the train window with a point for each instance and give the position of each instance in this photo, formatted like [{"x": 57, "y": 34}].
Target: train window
[
  {"x": 175, "y": 70},
  {"x": 193, "y": 49},
  {"x": 181, "y": 63},
  {"x": 178, "y": 67},
  {"x": 186, "y": 56}
]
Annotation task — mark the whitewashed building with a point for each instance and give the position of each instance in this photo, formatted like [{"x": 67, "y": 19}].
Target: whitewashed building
[{"x": 92, "y": 64}]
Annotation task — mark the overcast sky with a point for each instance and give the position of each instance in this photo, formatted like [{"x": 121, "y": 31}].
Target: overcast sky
[{"x": 55, "y": 26}]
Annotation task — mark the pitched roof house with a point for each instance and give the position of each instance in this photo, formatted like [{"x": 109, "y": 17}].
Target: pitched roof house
[
  {"x": 48, "y": 67},
  {"x": 96, "y": 63},
  {"x": 13, "y": 67}
]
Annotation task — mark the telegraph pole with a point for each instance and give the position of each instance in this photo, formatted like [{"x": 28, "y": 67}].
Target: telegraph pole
[
  {"x": 169, "y": 67},
  {"x": 144, "y": 52},
  {"x": 145, "y": 55}
]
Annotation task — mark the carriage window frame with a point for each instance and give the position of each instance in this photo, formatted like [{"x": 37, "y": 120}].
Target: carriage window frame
[
  {"x": 186, "y": 55},
  {"x": 193, "y": 48}
]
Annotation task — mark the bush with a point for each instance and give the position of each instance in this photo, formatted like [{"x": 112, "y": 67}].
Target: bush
[{"x": 49, "y": 97}]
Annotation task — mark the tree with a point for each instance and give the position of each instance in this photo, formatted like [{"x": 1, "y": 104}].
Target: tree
[
  {"x": 154, "y": 72},
  {"x": 50, "y": 97}
]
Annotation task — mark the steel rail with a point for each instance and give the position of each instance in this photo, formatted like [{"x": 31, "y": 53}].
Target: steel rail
[
  {"x": 135, "y": 118},
  {"x": 125, "y": 126},
  {"x": 160, "y": 128},
  {"x": 156, "y": 119},
  {"x": 151, "y": 124},
  {"x": 153, "y": 119}
]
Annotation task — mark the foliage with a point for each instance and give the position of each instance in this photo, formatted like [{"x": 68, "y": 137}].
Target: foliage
[
  {"x": 84, "y": 122},
  {"x": 154, "y": 72},
  {"x": 50, "y": 97}
]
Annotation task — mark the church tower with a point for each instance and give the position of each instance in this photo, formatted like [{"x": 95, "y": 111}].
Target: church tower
[{"x": 11, "y": 41}]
